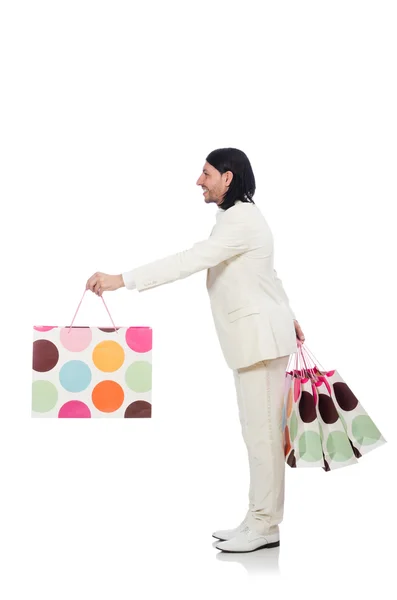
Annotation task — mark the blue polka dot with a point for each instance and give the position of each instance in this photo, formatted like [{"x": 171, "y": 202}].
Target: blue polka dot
[{"x": 75, "y": 376}]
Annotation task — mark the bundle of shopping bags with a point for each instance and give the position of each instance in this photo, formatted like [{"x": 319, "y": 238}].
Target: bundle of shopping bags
[{"x": 324, "y": 424}]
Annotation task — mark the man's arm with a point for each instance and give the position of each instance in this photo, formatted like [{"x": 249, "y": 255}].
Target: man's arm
[
  {"x": 228, "y": 239},
  {"x": 282, "y": 293}
]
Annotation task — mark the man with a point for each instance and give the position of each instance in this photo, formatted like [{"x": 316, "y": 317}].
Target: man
[{"x": 256, "y": 328}]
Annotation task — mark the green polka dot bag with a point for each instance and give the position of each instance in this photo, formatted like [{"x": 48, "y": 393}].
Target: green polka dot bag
[{"x": 323, "y": 423}]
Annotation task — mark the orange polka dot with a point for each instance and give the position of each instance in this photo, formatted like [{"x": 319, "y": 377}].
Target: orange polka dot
[
  {"x": 287, "y": 441},
  {"x": 108, "y": 356},
  {"x": 107, "y": 396},
  {"x": 289, "y": 402}
]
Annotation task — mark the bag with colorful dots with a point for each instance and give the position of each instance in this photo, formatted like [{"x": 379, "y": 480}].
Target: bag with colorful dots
[
  {"x": 89, "y": 372},
  {"x": 324, "y": 425}
]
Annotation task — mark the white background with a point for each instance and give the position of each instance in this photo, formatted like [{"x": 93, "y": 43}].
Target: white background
[{"x": 108, "y": 111}]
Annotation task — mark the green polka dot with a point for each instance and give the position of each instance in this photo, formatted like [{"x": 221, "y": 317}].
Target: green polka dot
[
  {"x": 44, "y": 396},
  {"x": 364, "y": 430},
  {"x": 310, "y": 448},
  {"x": 138, "y": 376},
  {"x": 293, "y": 427},
  {"x": 339, "y": 447}
]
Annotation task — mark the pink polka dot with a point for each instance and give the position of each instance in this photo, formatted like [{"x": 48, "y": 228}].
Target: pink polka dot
[
  {"x": 139, "y": 339},
  {"x": 76, "y": 339},
  {"x": 44, "y": 327},
  {"x": 74, "y": 409}
]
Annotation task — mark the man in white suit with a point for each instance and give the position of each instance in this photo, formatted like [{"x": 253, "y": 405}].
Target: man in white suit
[{"x": 255, "y": 324}]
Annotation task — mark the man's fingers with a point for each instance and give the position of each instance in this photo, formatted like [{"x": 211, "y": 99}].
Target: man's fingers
[
  {"x": 299, "y": 332},
  {"x": 94, "y": 283}
]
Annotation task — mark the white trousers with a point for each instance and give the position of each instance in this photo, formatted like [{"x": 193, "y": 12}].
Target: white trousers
[{"x": 260, "y": 395}]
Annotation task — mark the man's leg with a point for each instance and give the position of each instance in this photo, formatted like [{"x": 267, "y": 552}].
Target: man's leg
[{"x": 260, "y": 395}]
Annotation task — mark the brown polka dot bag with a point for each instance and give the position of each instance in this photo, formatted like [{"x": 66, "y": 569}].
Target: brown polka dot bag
[
  {"x": 85, "y": 371},
  {"x": 324, "y": 425}
]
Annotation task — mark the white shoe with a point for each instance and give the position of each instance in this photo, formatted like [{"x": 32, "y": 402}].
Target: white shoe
[
  {"x": 228, "y": 534},
  {"x": 248, "y": 540}
]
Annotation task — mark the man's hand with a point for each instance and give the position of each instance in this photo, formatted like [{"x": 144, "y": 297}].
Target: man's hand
[
  {"x": 298, "y": 331},
  {"x": 101, "y": 282}
]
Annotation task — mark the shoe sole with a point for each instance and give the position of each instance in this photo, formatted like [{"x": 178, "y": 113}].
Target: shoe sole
[{"x": 271, "y": 545}]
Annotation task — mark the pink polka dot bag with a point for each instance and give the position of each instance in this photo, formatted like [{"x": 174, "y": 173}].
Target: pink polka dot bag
[
  {"x": 85, "y": 372},
  {"x": 324, "y": 425}
]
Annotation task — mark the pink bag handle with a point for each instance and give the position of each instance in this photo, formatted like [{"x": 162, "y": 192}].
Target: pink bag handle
[
  {"x": 80, "y": 305},
  {"x": 305, "y": 356}
]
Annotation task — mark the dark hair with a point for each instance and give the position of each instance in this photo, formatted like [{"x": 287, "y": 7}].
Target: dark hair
[{"x": 242, "y": 186}]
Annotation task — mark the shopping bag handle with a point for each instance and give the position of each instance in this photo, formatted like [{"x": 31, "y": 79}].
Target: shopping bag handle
[
  {"x": 305, "y": 355},
  {"x": 103, "y": 300}
]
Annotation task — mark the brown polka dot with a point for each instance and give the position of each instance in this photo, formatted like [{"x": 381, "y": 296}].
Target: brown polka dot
[
  {"x": 108, "y": 329},
  {"x": 291, "y": 460},
  {"x": 327, "y": 409},
  {"x": 138, "y": 409},
  {"x": 45, "y": 355},
  {"x": 344, "y": 396},
  {"x": 307, "y": 410}
]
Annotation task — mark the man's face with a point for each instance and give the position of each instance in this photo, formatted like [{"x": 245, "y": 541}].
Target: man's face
[{"x": 214, "y": 184}]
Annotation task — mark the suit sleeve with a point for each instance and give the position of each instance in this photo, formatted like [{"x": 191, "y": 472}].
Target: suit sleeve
[
  {"x": 228, "y": 239},
  {"x": 282, "y": 293},
  {"x": 128, "y": 282}
]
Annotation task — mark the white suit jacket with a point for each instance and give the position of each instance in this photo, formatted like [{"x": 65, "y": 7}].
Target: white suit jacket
[{"x": 251, "y": 311}]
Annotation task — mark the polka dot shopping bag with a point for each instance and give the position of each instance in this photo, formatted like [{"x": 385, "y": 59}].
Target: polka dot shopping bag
[
  {"x": 324, "y": 425},
  {"x": 85, "y": 372}
]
